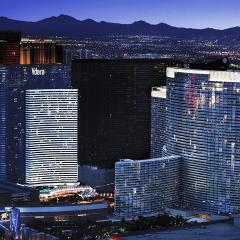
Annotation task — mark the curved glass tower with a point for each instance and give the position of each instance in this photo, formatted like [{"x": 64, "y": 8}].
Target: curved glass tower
[
  {"x": 203, "y": 126},
  {"x": 144, "y": 187}
]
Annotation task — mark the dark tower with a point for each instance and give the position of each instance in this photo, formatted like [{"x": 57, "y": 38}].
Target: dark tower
[
  {"x": 10, "y": 47},
  {"x": 114, "y": 112}
]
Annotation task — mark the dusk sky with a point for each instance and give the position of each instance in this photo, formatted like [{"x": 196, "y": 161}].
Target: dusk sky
[{"x": 184, "y": 13}]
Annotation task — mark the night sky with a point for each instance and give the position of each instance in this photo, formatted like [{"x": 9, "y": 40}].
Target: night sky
[{"x": 183, "y": 13}]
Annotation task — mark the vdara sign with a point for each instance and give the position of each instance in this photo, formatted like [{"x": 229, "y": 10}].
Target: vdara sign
[{"x": 38, "y": 72}]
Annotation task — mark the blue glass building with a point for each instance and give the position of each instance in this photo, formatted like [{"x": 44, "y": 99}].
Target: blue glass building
[
  {"x": 14, "y": 81},
  {"x": 15, "y": 222},
  {"x": 203, "y": 126}
]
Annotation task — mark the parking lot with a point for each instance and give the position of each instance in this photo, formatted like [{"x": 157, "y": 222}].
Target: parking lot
[{"x": 210, "y": 232}]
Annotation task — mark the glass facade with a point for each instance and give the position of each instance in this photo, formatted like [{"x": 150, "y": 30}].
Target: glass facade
[
  {"x": 203, "y": 126},
  {"x": 14, "y": 80},
  {"x": 15, "y": 222},
  {"x": 3, "y": 121},
  {"x": 51, "y": 136},
  {"x": 17, "y": 79},
  {"x": 146, "y": 187},
  {"x": 158, "y": 121},
  {"x": 115, "y": 109}
]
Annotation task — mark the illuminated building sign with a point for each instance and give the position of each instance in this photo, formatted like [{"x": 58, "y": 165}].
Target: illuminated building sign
[{"x": 38, "y": 72}]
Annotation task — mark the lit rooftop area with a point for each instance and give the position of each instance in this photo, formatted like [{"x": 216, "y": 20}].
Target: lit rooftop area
[{"x": 215, "y": 76}]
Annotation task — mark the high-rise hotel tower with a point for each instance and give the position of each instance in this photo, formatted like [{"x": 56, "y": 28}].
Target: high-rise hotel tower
[
  {"x": 15, "y": 80},
  {"x": 203, "y": 126},
  {"x": 51, "y": 136},
  {"x": 115, "y": 111}
]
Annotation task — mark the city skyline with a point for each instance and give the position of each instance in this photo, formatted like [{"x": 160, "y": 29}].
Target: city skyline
[
  {"x": 119, "y": 119},
  {"x": 194, "y": 14}
]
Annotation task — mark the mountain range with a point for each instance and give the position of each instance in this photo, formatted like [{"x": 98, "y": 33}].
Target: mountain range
[{"x": 68, "y": 26}]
